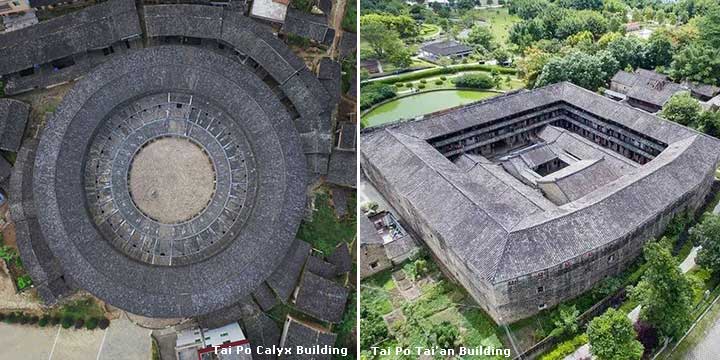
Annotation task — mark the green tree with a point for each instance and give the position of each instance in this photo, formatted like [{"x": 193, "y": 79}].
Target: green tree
[
  {"x": 614, "y": 6},
  {"x": 381, "y": 39},
  {"x": 582, "y": 4},
  {"x": 707, "y": 234},
  {"x": 579, "y": 68},
  {"x": 481, "y": 36},
  {"x": 664, "y": 292},
  {"x": 404, "y": 25},
  {"x": 682, "y": 108},
  {"x": 627, "y": 50},
  {"x": 531, "y": 64},
  {"x": 527, "y": 9},
  {"x": 658, "y": 50},
  {"x": 697, "y": 62},
  {"x": 400, "y": 56},
  {"x": 709, "y": 25},
  {"x": 710, "y": 123},
  {"x": 583, "y": 20},
  {"x": 612, "y": 337}
]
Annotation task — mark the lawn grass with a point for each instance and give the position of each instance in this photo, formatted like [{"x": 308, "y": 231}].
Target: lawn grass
[
  {"x": 430, "y": 82},
  {"x": 83, "y": 308},
  {"x": 325, "y": 231},
  {"x": 500, "y": 22},
  {"x": 429, "y": 30},
  {"x": 375, "y": 292}
]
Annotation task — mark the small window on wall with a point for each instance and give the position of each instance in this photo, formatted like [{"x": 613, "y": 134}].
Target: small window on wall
[
  {"x": 542, "y": 307},
  {"x": 611, "y": 258},
  {"x": 540, "y": 289},
  {"x": 373, "y": 264}
]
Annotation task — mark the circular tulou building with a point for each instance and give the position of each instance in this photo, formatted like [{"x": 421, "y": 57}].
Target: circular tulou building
[{"x": 171, "y": 180}]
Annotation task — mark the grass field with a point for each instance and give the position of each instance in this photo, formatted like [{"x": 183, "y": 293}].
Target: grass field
[
  {"x": 429, "y": 30},
  {"x": 499, "y": 21}
]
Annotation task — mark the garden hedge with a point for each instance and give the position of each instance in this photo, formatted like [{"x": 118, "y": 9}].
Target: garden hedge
[{"x": 417, "y": 75}]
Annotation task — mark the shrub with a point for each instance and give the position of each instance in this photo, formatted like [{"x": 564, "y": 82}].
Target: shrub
[
  {"x": 421, "y": 86},
  {"x": 438, "y": 82},
  {"x": 399, "y": 85},
  {"x": 54, "y": 320},
  {"x": 43, "y": 321},
  {"x": 443, "y": 78},
  {"x": 375, "y": 93},
  {"x": 417, "y": 75},
  {"x": 423, "y": 81},
  {"x": 11, "y": 318},
  {"x": 566, "y": 348},
  {"x": 475, "y": 81},
  {"x": 91, "y": 323},
  {"x": 103, "y": 323},
  {"x": 24, "y": 319},
  {"x": 66, "y": 322},
  {"x": 23, "y": 282},
  {"x": 34, "y": 320},
  {"x": 79, "y": 323},
  {"x": 2, "y": 317}
]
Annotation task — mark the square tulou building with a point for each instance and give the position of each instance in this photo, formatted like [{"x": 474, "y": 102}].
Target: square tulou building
[{"x": 533, "y": 197}]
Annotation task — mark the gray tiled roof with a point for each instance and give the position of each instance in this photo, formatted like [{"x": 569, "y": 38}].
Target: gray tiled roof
[
  {"x": 286, "y": 276},
  {"x": 321, "y": 298},
  {"x": 581, "y": 178},
  {"x": 368, "y": 234},
  {"x": 13, "y": 117},
  {"x": 264, "y": 297},
  {"x": 298, "y": 334},
  {"x": 308, "y": 25},
  {"x": 446, "y": 48},
  {"x": 648, "y": 86},
  {"x": 502, "y": 233},
  {"x": 341, "y": 258},
  {"x": 94, "y": 27},
  {"x": 261, "y": 331},
  {"x": 186, "y": 20},
  {"x": 320, "y": 267},
  {"x": 342, "y": 168}
]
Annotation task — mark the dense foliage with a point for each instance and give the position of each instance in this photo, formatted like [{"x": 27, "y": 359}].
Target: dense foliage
[
  {"x": 707, "y": 234},
  {"x": 664, "y": 292},
  {"x": 612, "y": 337},
  {"x": 475, "y": 81},
  {"x": 682, "y": 109},
  {"x": 374, "y": 93}
]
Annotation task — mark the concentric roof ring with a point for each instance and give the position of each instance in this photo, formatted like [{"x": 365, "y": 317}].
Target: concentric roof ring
[
  {"x": 257, "y": 244},
  {"x": 107, "y": 182}
]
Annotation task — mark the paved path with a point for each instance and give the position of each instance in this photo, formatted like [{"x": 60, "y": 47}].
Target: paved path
[
  {"x": 584, "y": 351},
  {"x": 121, "y": 341}
]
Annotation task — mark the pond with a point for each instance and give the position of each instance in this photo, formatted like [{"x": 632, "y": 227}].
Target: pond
[{"x": 416, "y": 105}]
